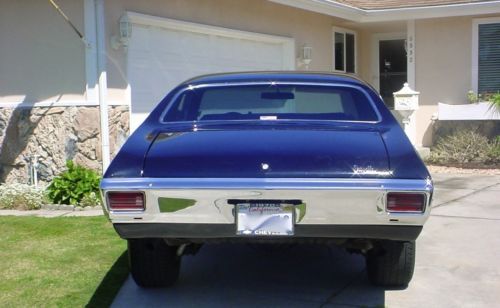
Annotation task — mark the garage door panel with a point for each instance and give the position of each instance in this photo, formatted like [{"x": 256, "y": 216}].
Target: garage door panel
[{"x": 159, "y": 58}]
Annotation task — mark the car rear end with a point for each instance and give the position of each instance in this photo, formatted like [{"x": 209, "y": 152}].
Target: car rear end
[{"x": 253, "y": 160}]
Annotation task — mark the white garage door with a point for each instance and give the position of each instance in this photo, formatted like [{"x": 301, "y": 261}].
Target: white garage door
[{"x": 162, "y": 53}]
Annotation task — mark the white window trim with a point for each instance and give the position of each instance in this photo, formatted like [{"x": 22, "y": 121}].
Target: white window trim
[
  {"x": 345, "y": 31},
  {"x": 475, "y": 48}
]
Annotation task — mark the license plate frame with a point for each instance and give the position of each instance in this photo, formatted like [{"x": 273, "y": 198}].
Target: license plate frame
[{"x": 265, "y": 218}]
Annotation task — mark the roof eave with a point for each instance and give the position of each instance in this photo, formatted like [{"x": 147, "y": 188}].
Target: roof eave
[{"x": 360, "y": 15}]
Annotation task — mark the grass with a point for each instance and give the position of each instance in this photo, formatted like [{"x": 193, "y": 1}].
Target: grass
[{"x": 64, "y": 261}]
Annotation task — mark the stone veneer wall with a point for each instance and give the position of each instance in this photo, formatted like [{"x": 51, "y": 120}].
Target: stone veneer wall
[{"x": 55, "y": 134}]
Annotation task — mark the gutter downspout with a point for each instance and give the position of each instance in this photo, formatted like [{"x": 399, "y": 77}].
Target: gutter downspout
[{"x": 102, "y": 81}]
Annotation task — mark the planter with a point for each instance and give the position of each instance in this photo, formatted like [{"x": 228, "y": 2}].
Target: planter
[{"x": 478, "y": 111}]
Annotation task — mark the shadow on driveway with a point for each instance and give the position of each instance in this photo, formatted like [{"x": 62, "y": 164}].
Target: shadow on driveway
[
  {"x": 263, "y": 275},
  {"x": 110, "y": 284}
]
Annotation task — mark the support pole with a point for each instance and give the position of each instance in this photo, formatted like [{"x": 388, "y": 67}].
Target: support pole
[{"x": 102, "y": 80}]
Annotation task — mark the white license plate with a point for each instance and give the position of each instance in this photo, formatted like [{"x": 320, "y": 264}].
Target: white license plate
[{"x": 265, "y": 219}]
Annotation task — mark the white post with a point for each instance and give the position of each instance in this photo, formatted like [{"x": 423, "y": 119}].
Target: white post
[
  {"x": 102, "y": 78},
  {"x": 411, "y": 126},
  {"x": 406, "y": 103},
  {"x": 90, "y": 52},
  {"x": 410, "y": 53}
]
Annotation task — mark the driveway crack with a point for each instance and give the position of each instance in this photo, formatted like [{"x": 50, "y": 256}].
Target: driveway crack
[
  {"x": 464, "y": 196},
  {"x": 465, "y": 217}
]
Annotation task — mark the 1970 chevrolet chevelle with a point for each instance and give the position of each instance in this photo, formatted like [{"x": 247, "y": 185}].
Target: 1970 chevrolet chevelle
[{"x": 276, "y": 157}]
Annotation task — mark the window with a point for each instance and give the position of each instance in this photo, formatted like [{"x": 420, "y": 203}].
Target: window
[
  {"x": 344, "y": 50},
  {"x": 486, "y": 55},
  {"x": 276, "y": 102}
]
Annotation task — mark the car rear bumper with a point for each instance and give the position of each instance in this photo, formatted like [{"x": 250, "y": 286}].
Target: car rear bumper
[
  {"x": 207, "y": 232},
  {"x": 324, "y": 208}
]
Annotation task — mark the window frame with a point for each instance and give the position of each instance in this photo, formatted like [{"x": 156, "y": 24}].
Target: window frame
[
  {"x": 345, "y": 31},
  {"x": 475, "y": 48}
]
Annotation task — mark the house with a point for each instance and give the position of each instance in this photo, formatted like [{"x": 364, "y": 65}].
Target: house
[{"x": 125, "y": 55}]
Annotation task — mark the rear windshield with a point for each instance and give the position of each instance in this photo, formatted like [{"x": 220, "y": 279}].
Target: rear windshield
[{"x": 271, "y": 102}]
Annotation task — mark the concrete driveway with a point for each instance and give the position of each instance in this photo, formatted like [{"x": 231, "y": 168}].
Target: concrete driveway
[{"x": 457, "y": 265}]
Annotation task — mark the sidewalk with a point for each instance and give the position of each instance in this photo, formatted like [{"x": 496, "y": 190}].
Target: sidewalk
[{"x": 52, "y": 213}]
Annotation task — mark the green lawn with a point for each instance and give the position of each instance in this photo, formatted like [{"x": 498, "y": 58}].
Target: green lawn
[{"x": 66, "y": 261}]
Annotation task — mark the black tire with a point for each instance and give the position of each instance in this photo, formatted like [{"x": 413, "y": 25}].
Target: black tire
[
  {"x": 391, "y": 264},
  {"x": 153, "y": 263}
]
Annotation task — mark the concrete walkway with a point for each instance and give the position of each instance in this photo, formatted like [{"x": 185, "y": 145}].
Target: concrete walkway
[
  {"x": 51, "y": 213},
  {"x": 457, "y": 265}
]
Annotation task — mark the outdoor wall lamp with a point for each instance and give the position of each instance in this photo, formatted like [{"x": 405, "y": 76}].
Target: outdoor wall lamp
[
  {"x": 125, "y": 28},
  {"x": 306, "y": 56}
]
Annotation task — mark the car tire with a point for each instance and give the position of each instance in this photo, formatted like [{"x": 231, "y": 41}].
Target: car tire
[
  {"x": 153, "y": 263},
  {"x": 391, "y": 264}
]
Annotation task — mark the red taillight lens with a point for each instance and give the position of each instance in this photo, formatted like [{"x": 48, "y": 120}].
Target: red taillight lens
[
  {"x": 126, "y": 201},
  {"x": 405, "y": 202}
]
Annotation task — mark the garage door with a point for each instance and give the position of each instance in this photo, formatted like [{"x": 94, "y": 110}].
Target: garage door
[{"x": 164, "y": 52}]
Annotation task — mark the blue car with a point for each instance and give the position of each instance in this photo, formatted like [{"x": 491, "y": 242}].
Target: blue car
[{"x": 269, "y": 157}]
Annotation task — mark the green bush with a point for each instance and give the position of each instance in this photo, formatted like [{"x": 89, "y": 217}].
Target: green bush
[
  {"x": 73, "y": 185},
  {"x": 494, "y": 151},
  {"x": 21, "y": 196},
  {"x": 91, "y": 199},
  {"x": 465, "y": 147}
]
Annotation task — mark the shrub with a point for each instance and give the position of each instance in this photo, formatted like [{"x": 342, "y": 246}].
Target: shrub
[
  {"x": 91, "y": 199},
  {"x": 464, "y": 147},
  {"x": 21, "y": 196},
  {"x": 495, "y": 103},
  {"x": 494, "y": 151},
  {"x": 73, "y": 185}
]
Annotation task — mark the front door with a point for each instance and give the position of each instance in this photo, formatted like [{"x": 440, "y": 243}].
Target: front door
[{"x": 392, "y": 68}]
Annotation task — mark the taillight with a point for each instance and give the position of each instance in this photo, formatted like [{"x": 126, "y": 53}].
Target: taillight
[
  {"x": 405, "y": 202},
  {"x": 125, "y": 201}
]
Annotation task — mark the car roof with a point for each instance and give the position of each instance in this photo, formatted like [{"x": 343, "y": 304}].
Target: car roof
[{"x": 283, "y": 76}]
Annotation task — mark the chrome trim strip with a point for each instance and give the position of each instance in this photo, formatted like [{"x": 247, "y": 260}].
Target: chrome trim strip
[
  {"x": 268, "y": 183},
  {"x": 270, "y": 83}
]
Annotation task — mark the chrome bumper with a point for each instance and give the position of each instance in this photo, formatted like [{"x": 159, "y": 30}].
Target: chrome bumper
[{"x": 348, "y": 202}]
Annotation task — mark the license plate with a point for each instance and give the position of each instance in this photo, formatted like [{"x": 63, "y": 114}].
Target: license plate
[{"x": 265, "y": 219}]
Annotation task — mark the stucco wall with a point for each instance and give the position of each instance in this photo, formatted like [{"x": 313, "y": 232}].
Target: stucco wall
[
  {"x": 443, "y": 67},
  {"x": 259, "y": 16},
  {"x": 443, "y": 63},
  {"x": 41, "y": 57}
]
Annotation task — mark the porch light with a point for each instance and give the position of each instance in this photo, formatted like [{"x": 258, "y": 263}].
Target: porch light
[
  {"x": 125, "y": 30},
  {"x": 306, "y": 56},
  {"x": 125, "y": 27}
]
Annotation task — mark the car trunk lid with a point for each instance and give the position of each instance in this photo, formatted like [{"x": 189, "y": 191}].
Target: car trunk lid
[{"x": 253, "y": 153}]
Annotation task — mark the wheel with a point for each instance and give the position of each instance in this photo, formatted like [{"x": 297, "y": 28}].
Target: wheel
[
  {"x": 153, "y": 263},
  {"x": 391, "y": 264}
]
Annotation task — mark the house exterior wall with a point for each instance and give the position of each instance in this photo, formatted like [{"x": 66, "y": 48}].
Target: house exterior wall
[
  {"x": 41, "y": 58},
  {"x": 259, "y": 16},
  {"x": 443, "y": 54},
  {"x": 443, "y": 71},
  {"x": 443, "y": 67},
  {"x": 43, "y": 61}
]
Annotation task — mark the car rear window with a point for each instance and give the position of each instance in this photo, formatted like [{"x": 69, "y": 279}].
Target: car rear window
[{"x": 271, "y": 102}]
